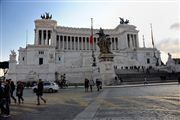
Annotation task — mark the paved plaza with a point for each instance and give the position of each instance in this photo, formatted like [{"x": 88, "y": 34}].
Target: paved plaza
[{"x": 158, "y": 102}]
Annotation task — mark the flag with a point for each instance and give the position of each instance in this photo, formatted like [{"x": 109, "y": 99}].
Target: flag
[{"x": 91, "y": 37}]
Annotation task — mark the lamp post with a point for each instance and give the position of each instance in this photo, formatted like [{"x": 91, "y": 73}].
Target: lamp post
[{"x": 94, "y": 59}]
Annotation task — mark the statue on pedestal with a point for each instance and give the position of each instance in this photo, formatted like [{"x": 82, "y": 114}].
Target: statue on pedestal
[
  {"x": 105, "y": 59},
  {"x": 104, "y": 42},
  {"x": 13, "y": 56}
]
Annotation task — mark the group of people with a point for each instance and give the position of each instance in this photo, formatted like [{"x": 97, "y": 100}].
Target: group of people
[
  {"x": 62, "y": 82},
  {"x": 7, "y": 89},
  {"x": 90, "y": 83}
]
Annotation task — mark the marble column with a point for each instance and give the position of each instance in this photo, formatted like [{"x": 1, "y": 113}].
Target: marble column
[
  {"x": 46, "y": 40},
  {"x": 111, "y": 44},
  {"x": 74, "y": 43},
  {"x": 59, "y": 42},
  {"x": 85, "y": 44},
  {"x": 62, "y": 42},
  {"x": 78, "y": 43},
  {"x": 36, "y": 37}
]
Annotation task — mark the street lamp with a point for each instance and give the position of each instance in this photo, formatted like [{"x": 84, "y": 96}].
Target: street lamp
[{"x": 94, "y": 59}]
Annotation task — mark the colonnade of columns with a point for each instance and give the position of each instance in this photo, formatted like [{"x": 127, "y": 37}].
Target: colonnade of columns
[
  {"x": 43, "y": 37},
  {"x": 81, "y": 43},
  {"x": 132, "y": 40}
]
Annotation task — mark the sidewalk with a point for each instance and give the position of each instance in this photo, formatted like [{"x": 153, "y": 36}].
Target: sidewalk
[
  {"x": 138, "y": 85},
  {"x": 131, "y": 85}
]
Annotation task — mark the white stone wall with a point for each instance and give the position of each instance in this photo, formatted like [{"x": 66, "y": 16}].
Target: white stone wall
[{"x": 75, "y": 63}]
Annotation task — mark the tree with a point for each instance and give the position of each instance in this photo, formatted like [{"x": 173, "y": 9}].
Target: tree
[{"x": 5, "y": 66}]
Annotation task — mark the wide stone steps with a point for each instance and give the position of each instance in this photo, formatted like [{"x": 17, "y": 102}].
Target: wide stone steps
[{"x": 138, "y": 78}]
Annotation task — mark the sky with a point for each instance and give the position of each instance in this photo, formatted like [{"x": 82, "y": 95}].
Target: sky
[{"x": 17, "y": 20}]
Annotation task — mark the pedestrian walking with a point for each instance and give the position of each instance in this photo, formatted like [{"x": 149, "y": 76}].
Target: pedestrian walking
[
  {"x": 98, "y": 83},
  {"x": 2, "y": 100},
  {"x": 19, "y": 92},
  {"x": 86, "y": 84},
  {"x": 39, "y": 92},
  {"x": 91, "y": 84},
  {"x": 12, "y": 90},
  {"x": 7, "y": 94}
]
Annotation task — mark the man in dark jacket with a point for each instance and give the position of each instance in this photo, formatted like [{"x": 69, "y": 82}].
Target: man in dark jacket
[
  {"x": 7, "y": 90},
  {"x": 19, "y": 92},
  {"x": 2, "y": 99},
  {"x": 39, "y": 92},
  {"x": 86, "y": 84},
  {"x": 12, "y": 90}
]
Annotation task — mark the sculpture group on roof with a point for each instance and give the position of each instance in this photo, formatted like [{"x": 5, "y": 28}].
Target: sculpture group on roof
[
  {"x": 122, "y": 21},
  {"x": 46, "y": 16}
]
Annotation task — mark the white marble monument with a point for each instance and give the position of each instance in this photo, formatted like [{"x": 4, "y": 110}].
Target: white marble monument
[{"x": 59, "y": 49}]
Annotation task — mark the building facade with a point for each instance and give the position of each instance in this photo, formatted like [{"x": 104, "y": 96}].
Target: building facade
[{"x": 61, "y": 50}]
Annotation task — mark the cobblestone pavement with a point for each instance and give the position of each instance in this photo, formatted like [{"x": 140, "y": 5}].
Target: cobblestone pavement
[
  {"x": 64, "y": 105},
  {"x": 128, "y": 103},
  {"x": 135, "y": 103}
]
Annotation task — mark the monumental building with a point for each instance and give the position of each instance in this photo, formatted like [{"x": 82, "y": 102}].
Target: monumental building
[{"x": 61, "y": 50}]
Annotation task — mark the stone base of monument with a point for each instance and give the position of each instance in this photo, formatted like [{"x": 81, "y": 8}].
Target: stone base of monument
[{"x": 107, "y": 72}]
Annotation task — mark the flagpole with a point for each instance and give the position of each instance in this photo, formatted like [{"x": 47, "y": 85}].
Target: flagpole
[
  {"x": 91, "y": 39},
  {"x": 26, "y": 45},
  {"x": 157, "y": 64},
  {"x": 152, "y": 35},
  {"x": 91, "y": 42}
]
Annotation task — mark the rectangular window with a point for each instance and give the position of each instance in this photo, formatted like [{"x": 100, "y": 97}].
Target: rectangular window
[
  {"x": 148, "y": 61},
  {"x": 41, "y": 52},
  {"x": 40, "y": 61}
]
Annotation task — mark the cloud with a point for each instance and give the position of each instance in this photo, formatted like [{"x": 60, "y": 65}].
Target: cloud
[
  {"x": 175, "y": 26},
  {"x": 170, "y": 45}
]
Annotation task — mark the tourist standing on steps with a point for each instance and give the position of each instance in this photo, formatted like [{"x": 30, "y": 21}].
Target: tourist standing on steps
[
  {"x": 86, "y": 84},
  {"x": 19, "y": 92},
  {"x": 12, "y": 90},
  {"x": 91, "y": 84},
  {"x": 39, "y": 92}
]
